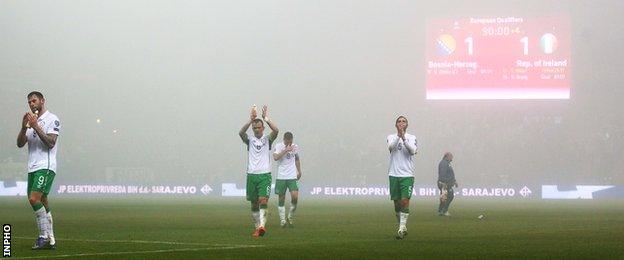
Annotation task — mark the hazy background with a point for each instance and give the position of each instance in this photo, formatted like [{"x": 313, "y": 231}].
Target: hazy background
[{"x": 176, "y": 80}]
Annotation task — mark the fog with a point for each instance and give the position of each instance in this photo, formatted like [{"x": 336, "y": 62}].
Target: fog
[{"x": 172, "y": 82}]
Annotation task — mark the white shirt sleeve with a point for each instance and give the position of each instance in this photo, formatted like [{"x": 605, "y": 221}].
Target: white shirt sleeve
[
  {"x": 279, "y": 148},
  {"x": 296, "y": 150},
  {"x": 411, "y": 144},
  {"x": 54, "y": 127},
  {"x": 393, "y": 140}
]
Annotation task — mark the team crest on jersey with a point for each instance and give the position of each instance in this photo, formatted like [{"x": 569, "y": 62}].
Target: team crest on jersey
[
  {"x": 258, "y": 144},
  {"x": 288, "y": 156},
  {"x": 57, "y": 123},
  {"x": 400, "y": 147}
]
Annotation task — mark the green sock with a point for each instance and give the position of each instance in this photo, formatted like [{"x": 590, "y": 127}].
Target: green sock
[
  {"x": 405, "y": 210},
  {"x": 263, "y": 206},
  {"x": 281, "y": 203},
  {"x": 37, "y": 206}
]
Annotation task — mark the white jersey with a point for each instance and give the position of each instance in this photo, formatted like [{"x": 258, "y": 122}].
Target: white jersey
[
  {"x": 259, "y": 154},
  {"x": 39, "y": 156},
  {"x": 401, "y": 161},
  {"x": 286, "y": 168}
]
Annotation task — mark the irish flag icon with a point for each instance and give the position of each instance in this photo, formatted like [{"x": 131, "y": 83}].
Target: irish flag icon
[{"x": 548, "y": 43}]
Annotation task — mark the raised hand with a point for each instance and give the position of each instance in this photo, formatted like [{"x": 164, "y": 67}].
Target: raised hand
[
  {"x": 264, "y": 112},
  {"x": 401, "y": 132},
  {"x": 254, "y": 112},
  {"x": 32, "y": 119},
  {"x": 25, "y": 121},
  {"x": 289, "y": 148}
]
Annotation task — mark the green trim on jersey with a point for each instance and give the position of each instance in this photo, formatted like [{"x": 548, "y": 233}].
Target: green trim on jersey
[
  {"x": 282, "y": 185},
  {"x": 401, "y": 187},
  {"x": 41, "y": 181},
  {"x": 258, "y": 185}
]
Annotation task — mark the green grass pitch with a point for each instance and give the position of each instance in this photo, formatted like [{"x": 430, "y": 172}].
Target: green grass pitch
[{"x": 195, "y": 227}]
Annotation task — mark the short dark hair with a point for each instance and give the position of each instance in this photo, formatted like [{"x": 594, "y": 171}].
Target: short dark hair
[
  {"x": 288, "y": 136},
  {"x": 257, "y": 120},
  {"x": 35, "y": 93}
]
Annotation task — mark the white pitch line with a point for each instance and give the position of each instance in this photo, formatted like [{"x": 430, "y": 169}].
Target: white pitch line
[
  {"x": 140, "y": 252},
  {"x": 135, "y": 241}
]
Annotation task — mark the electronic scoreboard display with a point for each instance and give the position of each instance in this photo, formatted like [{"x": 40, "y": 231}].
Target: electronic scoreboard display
[{"x": 498, "y": 58}]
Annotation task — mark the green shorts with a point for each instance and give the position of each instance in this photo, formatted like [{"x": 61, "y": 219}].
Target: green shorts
[
  {"x": 401, "y": 187},
  {"x": 41, "y": 181},
  {"x": 258, "y": 185},
  {"x": 282, "y": 185}
]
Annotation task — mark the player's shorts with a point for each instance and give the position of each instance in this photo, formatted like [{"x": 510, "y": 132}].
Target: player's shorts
[
  {"x": 282, "y": 185},
  {"x": 258, "y": 185},
  {"x": 41, "y": 181},
  {"x": 401, "y": 187}
]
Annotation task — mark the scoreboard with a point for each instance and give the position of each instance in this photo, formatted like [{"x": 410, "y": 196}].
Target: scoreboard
[{"x": 498, "y": 58}]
